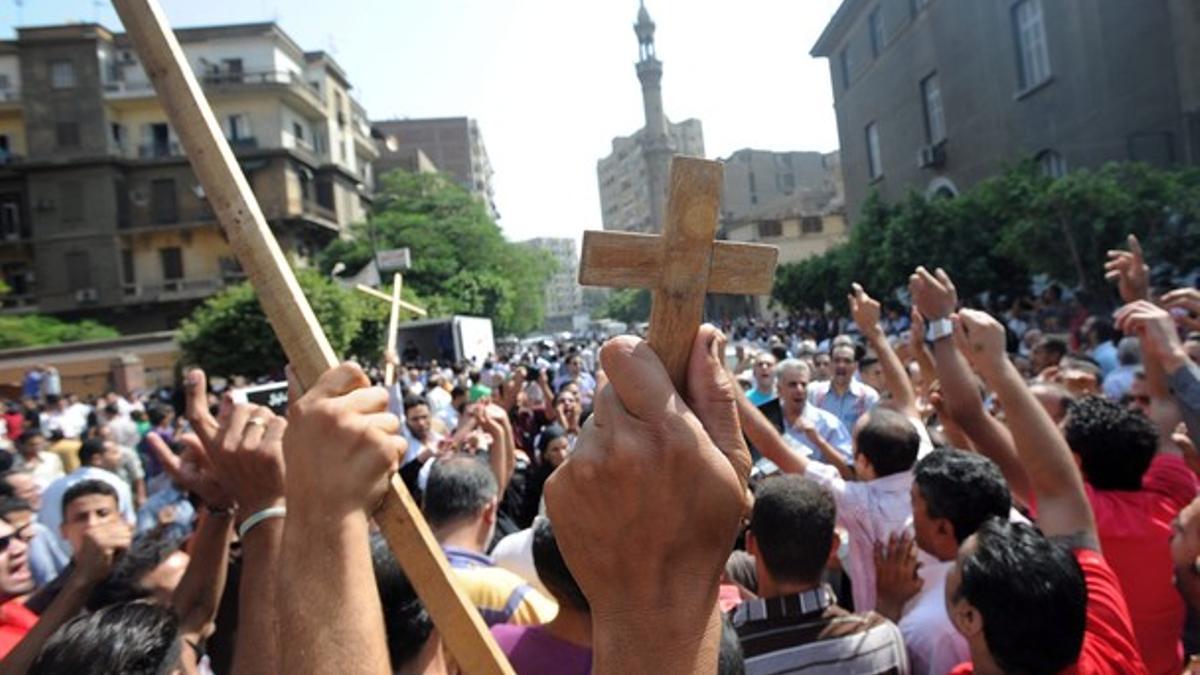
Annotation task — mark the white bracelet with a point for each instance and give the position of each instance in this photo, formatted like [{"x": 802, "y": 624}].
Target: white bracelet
[{"x": 256, "y": 518}]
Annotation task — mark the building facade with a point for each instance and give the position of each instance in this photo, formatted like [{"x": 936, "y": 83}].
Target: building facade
[
  {"x": 933, "y": 96},
  {"x": 100, "y": 213},
  {"x": 564, "y": 295},
  {"x": 633, "y": 178},
  {"x": 755, "y": 179},
  {"x": 453, "y": 144}
]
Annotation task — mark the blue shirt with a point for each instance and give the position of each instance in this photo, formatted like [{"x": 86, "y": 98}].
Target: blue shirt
[
  {"x": 828, "y": 427},
  {"x": 185, "y": 513},
  {"x": 856, "y": 402},
  {"x": 758, "y": 398},
  {"x": 1105, "y": 355}
]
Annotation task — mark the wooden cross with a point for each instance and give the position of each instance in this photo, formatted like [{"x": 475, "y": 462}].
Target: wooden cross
[
  {"x": 404, "y": 304},
  {"x": 682, "y": 264},
  {"x": 307, "y": 349}
]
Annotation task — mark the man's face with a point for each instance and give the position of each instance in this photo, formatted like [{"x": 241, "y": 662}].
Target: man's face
[
  {"x": 111, "y": 457},
  {"x": 823, "y": 366},
  {"x": 764, "y": 370},
  {"x": 15, "y": 577},
  {"x": 793, "y": 390},
  {"x": 923, "y": 527},
  {"x": 33, "y": 446},
  {"x": 87, "y": 511},
  {"x": 420, "y": 421},
  {"x": 556, "y": 451},
  {"x": 574, "y": 366},
  {"x": 25, "y": 488},
  {"x": 843, "y": 365},
  {"x": 1139, "y": 396},
  {"x": 873, "y": 375},
  {"x": 22, "y": 522}
]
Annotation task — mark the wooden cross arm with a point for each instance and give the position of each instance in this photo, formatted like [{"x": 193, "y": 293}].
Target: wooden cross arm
[
  {"x": 404, "y": 304},
  {"x": 631, "y": 260}
]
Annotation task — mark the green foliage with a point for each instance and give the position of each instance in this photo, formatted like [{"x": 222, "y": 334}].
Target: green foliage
[
  {"x": 993, "y": 237},
  {"x": 229, "y": 333},
  {"x": 461, "y": 262},
  {"x": 33, "y": 330},
  {"x": 631, "y": 305}
]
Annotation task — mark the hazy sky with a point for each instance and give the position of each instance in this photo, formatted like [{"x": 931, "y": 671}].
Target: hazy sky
[{"x": 551, "y": 82}]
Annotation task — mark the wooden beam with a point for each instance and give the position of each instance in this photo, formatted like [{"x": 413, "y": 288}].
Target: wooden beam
[
  {"x": 309, "y": 352},
  {"x": 631, "y": 260},
  {"x": 389, "y": 369},
  {"x": 677, "y": 301},
  {"x": 404, "y": 304}
]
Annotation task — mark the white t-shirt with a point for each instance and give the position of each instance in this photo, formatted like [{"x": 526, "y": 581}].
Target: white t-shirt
[{"x": 935, "y": 647}]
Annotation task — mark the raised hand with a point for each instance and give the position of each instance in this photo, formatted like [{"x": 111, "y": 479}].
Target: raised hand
[
  {"x": 864, "y": 309},
  {"x": 981, "y": 340},
  {"x": 192, "y": 469},
  {"x": 896, "y": 578},
  {"x": 1129, "y": 270},
  {"x": 669, "y": 475},
  {"x": 1155, "y": 329},
  {"x": 916, "y": 334},
  {"x": 933, "y": 294},
  {"x": 1187, "y": 300},
  {"x": 102, "y": 544},
  {"x": 248, "y": 456},
  {"x": 340, "y": 443}
]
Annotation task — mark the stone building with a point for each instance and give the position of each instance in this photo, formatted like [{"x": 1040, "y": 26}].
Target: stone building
[{"x": 452, "y": 144}]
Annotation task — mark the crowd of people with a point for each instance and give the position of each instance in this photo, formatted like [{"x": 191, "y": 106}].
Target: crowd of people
[{"x": 933, "y": 489}]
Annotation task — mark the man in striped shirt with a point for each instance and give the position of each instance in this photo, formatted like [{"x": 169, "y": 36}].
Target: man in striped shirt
[{"x": 796, "y": 625}]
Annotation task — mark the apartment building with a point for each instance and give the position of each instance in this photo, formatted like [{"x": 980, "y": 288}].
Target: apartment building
[
  {"x": 452, "y": 144},
  {"x": 100, "y": 213}
]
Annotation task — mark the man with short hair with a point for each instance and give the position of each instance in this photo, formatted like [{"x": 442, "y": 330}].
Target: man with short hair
[
  {"x": 32, "y": 456},
  {"x": 871, "y": 371},
  {"x": 16, "y": 581},
  {"x": 843, "y": 395},
  {"x": 795, "y": 623},
  {"x": 822, "y": 367},
  {"x": 764, "y": 379},
  {"x": 46, "y": 559},
  {"x": 1118, "y": 382},
  {"x": 97, "y": 460},
  {"x": 815, "y": 432},
  {"x": 573, "y": 372},
  {"x": 1048, "y": 352},
  {"x": 460, "y": 503}
]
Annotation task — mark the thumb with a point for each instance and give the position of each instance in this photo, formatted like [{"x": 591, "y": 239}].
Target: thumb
[{"x": 711, "y": 394}]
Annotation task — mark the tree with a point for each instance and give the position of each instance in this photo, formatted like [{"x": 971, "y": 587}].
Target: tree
[
  {"x": 993, "y": 237},
  {"x": 461, "y": 262},
  {"x": 630, "y": 305},
  {"x": 230, "y": 335},
  {"x": 33, "y": 330}
]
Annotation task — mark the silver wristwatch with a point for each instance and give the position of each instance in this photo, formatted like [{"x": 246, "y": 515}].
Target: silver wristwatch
[{"x": 938, "y": 329}]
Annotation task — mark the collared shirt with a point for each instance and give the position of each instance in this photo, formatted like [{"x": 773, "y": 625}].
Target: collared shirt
[
  {"x": 1118, "y": 382},
  {"x": 758, "y": 398},
  {"x": 828, "y": 427},
  {"x": 807, "y": 632},
  {"x": 500, "y": 595},
  {"x": 848, "y": 407},
  {"x": 870, "y": 511},
  {"x": 934, "y": 645}
]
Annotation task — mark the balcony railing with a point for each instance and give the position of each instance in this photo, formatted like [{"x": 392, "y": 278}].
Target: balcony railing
[
  {"x": 175, "y": 289},
  {"x": 16, "y": 304},
  {"x": 259, "y": 78},
  {"x": 155, "y": 150}
]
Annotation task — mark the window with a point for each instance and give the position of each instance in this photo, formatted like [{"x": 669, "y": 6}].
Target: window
[
  {"x": 70, "y": 198},
  {"x": 233, "y": 69},
  {"x": 785, "y": 182},
  {"x": 79, "y": 272},
  {"x": 128, "y": 271},
  {"x": 935, "y": 121},
  {"x": 172, "y": 263},
  {"x": 62, "y": 74},
  {"x": 298, "y": 132},
  {"x": 239, "y": 129},
  {"x": 325, "y": 193},
  {"x": 812, "y": 225},
  {"x": 5, "y": 83},
  {"x": 875, "y": 20},
  {"x": 874, "y": 161},
  {"x": 844, "y": 66},
  {"x": 10, "y": 220},
  {"x": 770, "y": 228},
  {"x": 66, "y": 134},
  {"x": 162, "y": 201},
  {"x": 1033, "y": 64},
  {"x": 1052, "y": 163}
]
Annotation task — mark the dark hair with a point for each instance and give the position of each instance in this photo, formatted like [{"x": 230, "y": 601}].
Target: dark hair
[
  {"x": 1054, "y": 345},
  {"x": 29, "y": 435},
  {"x": 90, "y": 448},
  {"x": 458, "y": 487},
  {"x": 457, "y": 390},
  {"x": 406, "y": 622},
  {"x": 156, "y": 414},
  {"x": 87, "y": 487},
  {"x": 413, "y": 400},
  {"x": 730, "y": 660},
  {"x": 124, "y": 581},
  {"x": 112, "y": 409},
  {"x": 792, "y": 522},
  {"x": 889, "y": 440},
  {"x": 1031, "y": 593},
  {"x": 133, "y": 638},
  {"x": 962, "y": 487},
  {"x": 10, "y": 505},
  {"x": 1104, "y": 329},
  {"x": 1115, "y": 444},
  {"x": 868, "y": 359},
  {"x": 552, "y": 570}
]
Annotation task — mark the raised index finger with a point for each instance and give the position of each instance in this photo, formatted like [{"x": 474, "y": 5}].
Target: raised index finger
[{"x": 196, "y": 407}]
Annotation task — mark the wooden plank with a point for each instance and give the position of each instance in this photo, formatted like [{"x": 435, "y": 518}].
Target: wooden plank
[
  {"x": 630, "y": 260},
  {"x": 389, "y": 369},
  {"x": 309, "y": 352},
  {"x": 677, "y": 302},
  {"x": 404, "y": 304}
]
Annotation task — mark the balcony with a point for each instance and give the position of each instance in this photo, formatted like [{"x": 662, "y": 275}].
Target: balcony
[
  {"x": 159, "y": 150},
  {"x": 18, "y": 304},
  {"x": 175, "y": 289},
  {"x": 294, "y": 87}
]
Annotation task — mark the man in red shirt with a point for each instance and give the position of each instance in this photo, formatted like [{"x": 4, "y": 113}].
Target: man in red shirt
[
  {"x": 16, "y": 580},
  {"x": 1028, "y": 600}
]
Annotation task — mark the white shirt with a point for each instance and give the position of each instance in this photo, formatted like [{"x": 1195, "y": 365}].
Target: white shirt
[
  {"x": 828, "y": 427},
  {"x": 515, "y": 554},
  {"x": 934, "y": 646},
  {"x": 870, "y": 511}
]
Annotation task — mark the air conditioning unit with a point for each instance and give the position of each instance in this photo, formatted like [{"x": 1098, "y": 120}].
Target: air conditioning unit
[
  {"x": 87, "y": 295},
  {"x": 932, "y": 156},
  {"x": 139, "y": 197}
]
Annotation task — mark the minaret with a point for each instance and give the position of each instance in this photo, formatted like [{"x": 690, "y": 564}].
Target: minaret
[{"x": 656, "y": 144}]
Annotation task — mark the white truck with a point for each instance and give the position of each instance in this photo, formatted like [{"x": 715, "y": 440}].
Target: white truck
[{"x": 449, "y": 339}]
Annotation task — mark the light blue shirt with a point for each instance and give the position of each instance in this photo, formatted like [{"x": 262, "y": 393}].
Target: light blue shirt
[
  {"x": 185, "y": 513},
  {"x": 758, "y": 398},
  {"x": 828, "y": 427},
  {"x": 856, "y": 402},
  {"x": 1105, "y": 355},
  {"x": 46, "y": 558}
]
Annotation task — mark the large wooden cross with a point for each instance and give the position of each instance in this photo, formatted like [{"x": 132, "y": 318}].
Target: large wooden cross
[
  {"x": 307, "y": 349},
  {"x": 682, "y": 264}
]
